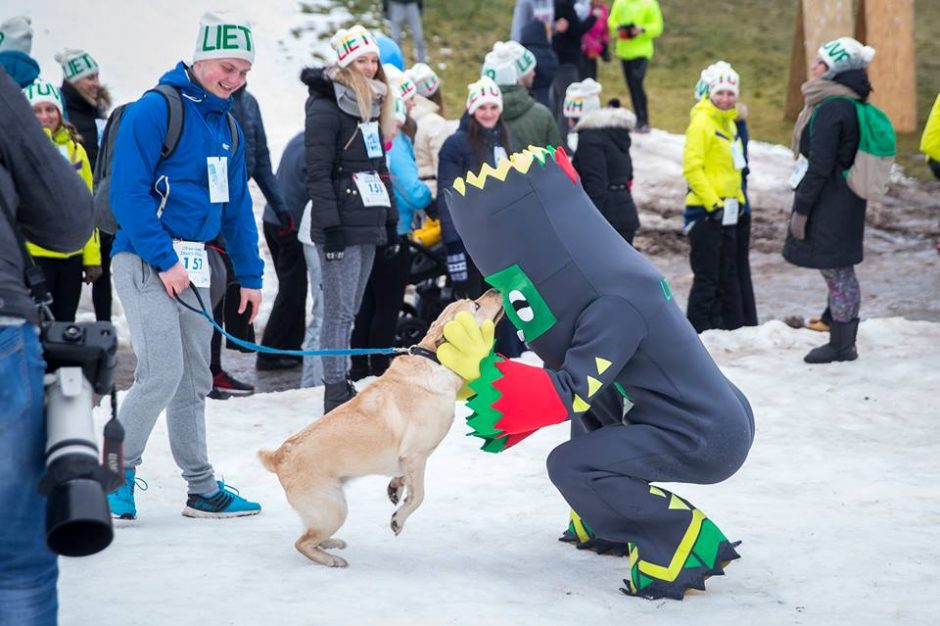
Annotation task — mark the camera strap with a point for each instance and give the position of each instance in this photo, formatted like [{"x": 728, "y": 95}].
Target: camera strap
[{"x": 35, "y": 277}]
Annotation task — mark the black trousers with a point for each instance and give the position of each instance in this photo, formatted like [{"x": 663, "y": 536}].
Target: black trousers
[
  {"x": 101, "y": 295},
  {"x": 377, "y": 318},
  {"x": 588, "y": 68},
  {"x": 225, "y": 313},
  {"x": 64, "y": 284},
  {"x": 715, "y": 297},
  {"x": 287, "y": 324},
  {"x": 743, "y": 266},
  {"x": 634, "y": 71}
]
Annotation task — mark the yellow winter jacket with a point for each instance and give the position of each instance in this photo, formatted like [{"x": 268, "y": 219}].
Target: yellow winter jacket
[
  {"x": 707, "y": 163},
  {"x": 930, "y": 142},
  {"x": 75, "y": 153},
  {"x": 643, "y": 13}
]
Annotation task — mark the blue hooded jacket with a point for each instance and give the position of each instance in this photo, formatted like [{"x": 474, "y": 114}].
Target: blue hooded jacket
[
  {"x": 137, "y": 171},
  {"x": 411, "y": 194}
]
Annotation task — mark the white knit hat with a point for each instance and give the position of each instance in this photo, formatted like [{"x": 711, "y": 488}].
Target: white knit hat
[
  {"x": 484, "y": 91},
  {"x": 582, "y": 98},
  {"x": 42, "y": 91},
  {"x": 403, "y": 85},
  {"x": 425, "y": 79},
  {"x": 16, "y": 33},
  {"x": 76, "y": 64},
  {"x": 401, "y": 111},
  {"x": 720, "y": 76},
  {"x": 507, "y": 62},
  {"x": 844, "y": 54},
  {"x": 222, "y": 36},
  {"x": 351, "y": 44}
]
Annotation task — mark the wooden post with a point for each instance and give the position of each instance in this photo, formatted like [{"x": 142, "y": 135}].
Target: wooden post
[
  {"x": 817, "y": 21},
  {"x": 888, "y": 27}
]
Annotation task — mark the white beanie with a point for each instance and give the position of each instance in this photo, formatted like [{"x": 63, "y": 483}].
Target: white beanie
[
  {"x": 844, "y": 54},
  {"x": 582, "y": 98},
  {"x": 508, "y": 62},
  {"x": 16, "y": 33},
  {"x": 484, "y": 91},
  {"x": 720, "y": 76},
  {"x": 222, "y": 36},
  {"x": 76, "y": 64},
  {"x": 351, "y": 44},
  {"x": 42, "y": 91},
  {"x": 403, "y": 85},
  {"x": 425, "y": 79},
  {"x": 401, "y": 111}
]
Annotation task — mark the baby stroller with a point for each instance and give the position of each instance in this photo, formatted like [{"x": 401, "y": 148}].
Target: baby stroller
[{"x": 432, "y": 292}]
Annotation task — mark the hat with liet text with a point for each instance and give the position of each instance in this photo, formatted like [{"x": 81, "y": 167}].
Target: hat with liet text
[
  {"x": 222, "y": 36},
  {"x": 351, "y": 44},
  {"x": 76, "y": 64}
]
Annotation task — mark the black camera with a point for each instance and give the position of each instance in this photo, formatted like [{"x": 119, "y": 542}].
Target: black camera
[{"x": 80, "y": 360}]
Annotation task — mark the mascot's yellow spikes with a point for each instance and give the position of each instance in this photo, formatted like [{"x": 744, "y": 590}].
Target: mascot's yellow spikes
[{"x": 519, "y": 161}]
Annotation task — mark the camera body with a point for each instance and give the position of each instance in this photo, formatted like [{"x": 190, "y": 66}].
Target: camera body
[{"x": 80, "y": 360}]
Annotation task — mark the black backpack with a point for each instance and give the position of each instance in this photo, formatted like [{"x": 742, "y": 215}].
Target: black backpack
[{"x": 174, "y": 129}]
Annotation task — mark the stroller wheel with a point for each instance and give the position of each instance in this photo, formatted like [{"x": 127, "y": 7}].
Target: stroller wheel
[{"x": 410, "y": 328}]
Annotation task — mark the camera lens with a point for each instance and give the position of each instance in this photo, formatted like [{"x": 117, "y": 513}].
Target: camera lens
[{"x": 78, "y": 520}]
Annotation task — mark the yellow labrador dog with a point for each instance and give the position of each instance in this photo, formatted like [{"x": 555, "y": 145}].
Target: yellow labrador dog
[{"x": 390, "y": 429}]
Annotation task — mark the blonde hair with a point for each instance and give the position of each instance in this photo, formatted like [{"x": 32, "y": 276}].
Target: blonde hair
[{"x": 364, "y": 96}]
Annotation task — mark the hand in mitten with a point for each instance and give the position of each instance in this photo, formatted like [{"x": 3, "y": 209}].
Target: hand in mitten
[
  {"x": 798, "y": 226},
  {"x": 92, "y": 273},
  {"x": 716, "y": 214},
  {"x": 335, "y": 245},
  {"x": 467, "y": 343},
  {"x": 286, "y": 222},
  {"x": 393, "y": 245}
]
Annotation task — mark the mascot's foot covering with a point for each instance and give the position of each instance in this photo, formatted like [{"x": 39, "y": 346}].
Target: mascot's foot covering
[
  {"x": 581, "y": 535},
  {"x": 702, "y": 553}
]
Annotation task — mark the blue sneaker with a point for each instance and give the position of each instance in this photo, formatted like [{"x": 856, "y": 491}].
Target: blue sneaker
[
  {"x": 121, "y": 500},
  {"x": 225, "y": 503}
]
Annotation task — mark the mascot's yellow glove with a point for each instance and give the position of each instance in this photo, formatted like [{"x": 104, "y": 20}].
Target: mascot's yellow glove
[{"x": 466, "y": 345}]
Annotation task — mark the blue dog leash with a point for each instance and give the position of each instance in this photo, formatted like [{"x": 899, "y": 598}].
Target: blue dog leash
[{"x": 414, "y": 350}]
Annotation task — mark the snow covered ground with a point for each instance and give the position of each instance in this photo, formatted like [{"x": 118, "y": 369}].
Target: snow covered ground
[{"x": 836, "y": 507}]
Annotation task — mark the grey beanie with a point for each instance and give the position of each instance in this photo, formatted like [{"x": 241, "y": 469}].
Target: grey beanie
[{"x": 16, "y": 33}]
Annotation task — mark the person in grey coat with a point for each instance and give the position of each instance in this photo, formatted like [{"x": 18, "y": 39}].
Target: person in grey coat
[{"x": 41, "y": 196}]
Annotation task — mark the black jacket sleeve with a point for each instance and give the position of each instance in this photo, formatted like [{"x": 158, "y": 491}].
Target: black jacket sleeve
[
  {"x": 592, "y": 167},
  {"x": 451, "y": 164},
  {"x": 320, "y": 138},
  {"x": 827, "y": 133}
]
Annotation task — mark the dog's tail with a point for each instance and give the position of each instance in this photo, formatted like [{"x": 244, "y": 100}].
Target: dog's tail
[{"x": 268, "y": 459}]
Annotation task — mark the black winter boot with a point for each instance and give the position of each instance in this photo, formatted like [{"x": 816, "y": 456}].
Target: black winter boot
[
  {"x": 841, "y": 346},
  {"x": 336, "y": 394}
]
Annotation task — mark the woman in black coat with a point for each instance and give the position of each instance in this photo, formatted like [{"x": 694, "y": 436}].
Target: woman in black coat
[
  {"x": 827, "y": 225},
  {"x": 602, "y": 159},
  {"x": 349, "y": 117}
]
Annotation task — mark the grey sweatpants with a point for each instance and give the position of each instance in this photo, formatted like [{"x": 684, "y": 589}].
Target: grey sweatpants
[
  {"x": 344, "y": 282},
  {"x": 172, "y": 349},
  {"x": 398, "y": 13},
  {"x": 313, "y": 365}
]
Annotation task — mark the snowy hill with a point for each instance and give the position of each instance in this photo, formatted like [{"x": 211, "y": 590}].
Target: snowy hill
[{"x": 835, "y": 506}]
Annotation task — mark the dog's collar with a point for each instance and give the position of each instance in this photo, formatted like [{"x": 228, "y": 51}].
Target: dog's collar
[{"x": 419, "y": 351}]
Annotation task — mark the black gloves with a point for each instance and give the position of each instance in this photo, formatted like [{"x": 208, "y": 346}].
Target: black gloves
[
  {"x": 393, "y": 245},
  {"x": 286, "y": 223},
  {"x": 335, "y": 246},
  {"x": 716, "y": 214}
]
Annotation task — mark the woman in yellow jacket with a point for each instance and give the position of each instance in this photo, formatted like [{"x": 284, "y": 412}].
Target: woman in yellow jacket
[
  {"x": 930, "y": 142},
  {"x": 711, "y": 164},
  {"x": 64, "y": 272}
]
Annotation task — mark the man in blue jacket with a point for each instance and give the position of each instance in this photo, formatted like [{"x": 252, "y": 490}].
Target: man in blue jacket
[{"x": 167, "y": 208}]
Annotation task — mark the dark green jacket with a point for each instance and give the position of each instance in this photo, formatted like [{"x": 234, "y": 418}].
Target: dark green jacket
[{"x": 529, "y": 123}]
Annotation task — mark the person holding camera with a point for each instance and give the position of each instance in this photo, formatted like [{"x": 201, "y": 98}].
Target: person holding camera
[
  {"x": 634, "y": 24},
  {"x": 167, "y": 209},
  {"x": 41, "y": 197}
]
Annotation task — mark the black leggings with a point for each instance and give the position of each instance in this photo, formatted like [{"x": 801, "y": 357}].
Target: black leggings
[
  {"x": 634, "y": 71},
  {"x": 101, "y": 289},
  {"x": 64, "y": 284}
]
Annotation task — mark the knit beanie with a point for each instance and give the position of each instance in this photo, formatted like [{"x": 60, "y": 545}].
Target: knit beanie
[
  {"x": 16, "y": 33},
  {"x": 42, "y": 91},
  {"x": 844, "y": 54},
  {"x": 525, "y": 60},
  {"x": 401, "y": 111},
  {"x": 351, "y": 44},
  {"x": 425, "y": 79},
  {"x": 76, "y": 64},
  {"x": 720, "y": 76},
  {"x": 582, "y": 98},
  {"x": 484, "y": 91},
  {"x": 400, "y": 82},
  {"x": 499, "y": 64},
  {"x": 222, "y": 36}
]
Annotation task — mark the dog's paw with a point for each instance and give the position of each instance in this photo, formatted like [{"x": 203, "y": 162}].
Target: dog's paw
[
  {"x": 335, "y": 561},
  {"x": 396, "y": 525},
  {"x": 395, "y": 488},
  {"x": 333, "y": 543}
]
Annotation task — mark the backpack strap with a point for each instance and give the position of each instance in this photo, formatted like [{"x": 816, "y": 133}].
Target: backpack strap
[
  {"x": 233, "y": 129},
  {"x": 174, "y": 119}
]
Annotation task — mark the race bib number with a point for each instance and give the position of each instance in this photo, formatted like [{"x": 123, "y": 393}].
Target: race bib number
[
  {"x": 799, "y": 171},
  {"x": 370, "y": 134},
  {"x": 730, "y": 215},
  {"x": 371, "y": 189},
  {"x": 737, "y": 155},
  {"x": 195, "y": 261},
  {"x": 218, "y": 179}
]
